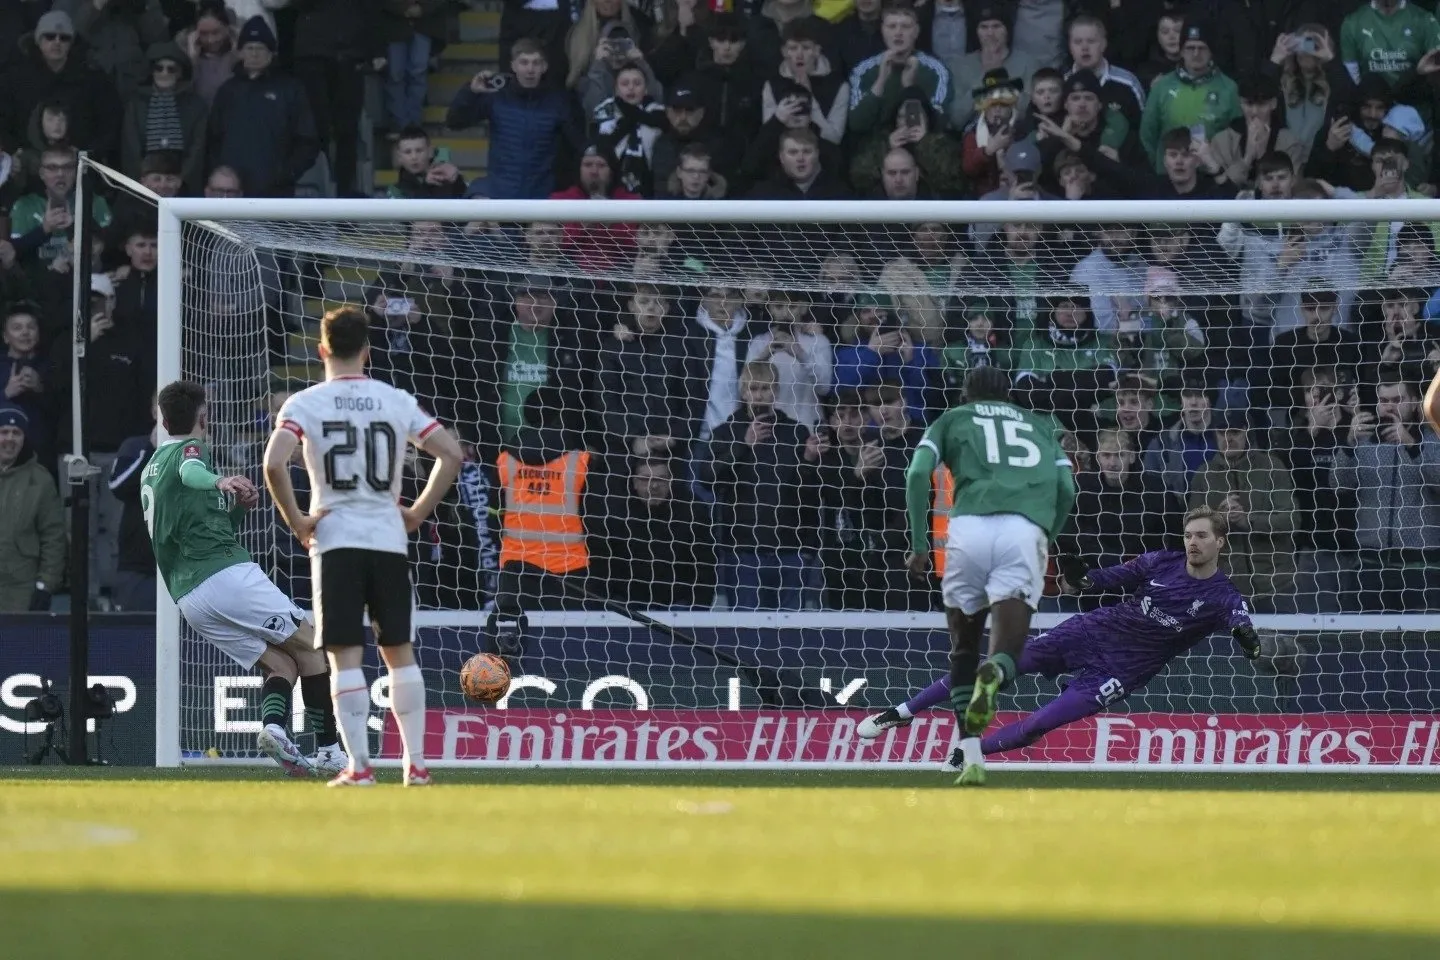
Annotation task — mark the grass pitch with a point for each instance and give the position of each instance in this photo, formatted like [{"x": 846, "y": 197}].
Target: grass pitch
[{"x": 582, "y": 865}]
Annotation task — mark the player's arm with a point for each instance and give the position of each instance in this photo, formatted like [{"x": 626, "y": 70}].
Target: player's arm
[
  {"x": 440, "y": 444},
  {"x": 278, "y": 452},
  {"x": 1078, "y": 574},
  {"x": 917, "y": 500},
  {"x": 196, "y": 474},
  {"x": 1243, "y": 630}
]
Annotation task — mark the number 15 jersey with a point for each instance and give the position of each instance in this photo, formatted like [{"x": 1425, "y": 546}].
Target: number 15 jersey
[
  {"x": 354, "y": 431},
  {"x": 1004, "y": 459}
]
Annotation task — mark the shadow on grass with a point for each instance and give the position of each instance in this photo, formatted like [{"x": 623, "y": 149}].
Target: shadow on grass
[
  {"x": 122, "y": 926},
  {"x": 922, "y": 779}
]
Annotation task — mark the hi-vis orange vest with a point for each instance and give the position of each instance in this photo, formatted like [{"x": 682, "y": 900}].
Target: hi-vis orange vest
[
  {"x": 944, "y": 486},
  {"x": 543, "y": 526}
]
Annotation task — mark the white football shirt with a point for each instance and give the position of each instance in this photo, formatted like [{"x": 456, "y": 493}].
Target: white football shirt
[{"x": 354, "y": 431}]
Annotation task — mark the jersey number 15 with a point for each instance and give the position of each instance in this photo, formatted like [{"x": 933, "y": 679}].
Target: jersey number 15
[{"x": 1021, "y": 450}]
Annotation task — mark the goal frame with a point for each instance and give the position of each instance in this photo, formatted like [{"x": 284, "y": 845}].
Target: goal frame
[{"x": 174, "y": 213}]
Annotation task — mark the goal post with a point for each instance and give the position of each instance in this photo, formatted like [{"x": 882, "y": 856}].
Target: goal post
[{"x": 1351, "y": 685}]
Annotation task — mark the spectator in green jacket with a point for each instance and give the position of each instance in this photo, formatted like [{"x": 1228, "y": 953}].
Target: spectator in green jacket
[
  {"x": 879, "y": 83},
  {"x": 1195, "y": 95},
  {"x": 32, "y": 525}
]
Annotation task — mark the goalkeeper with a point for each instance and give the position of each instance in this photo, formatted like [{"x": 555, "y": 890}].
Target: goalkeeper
[{"x": 1178, "y": 599}]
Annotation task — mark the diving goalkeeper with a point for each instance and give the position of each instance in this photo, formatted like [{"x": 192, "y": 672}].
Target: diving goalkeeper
[{"x": 1178, "y": 599}]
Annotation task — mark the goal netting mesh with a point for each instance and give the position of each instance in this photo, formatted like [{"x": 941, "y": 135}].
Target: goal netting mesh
[{"x": 730, "y": 407}]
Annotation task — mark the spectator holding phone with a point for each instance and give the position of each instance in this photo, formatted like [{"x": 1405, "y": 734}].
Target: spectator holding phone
[
  {"x": 757, "y": 471},
  {"x": 993, "y": 129},
  {"x": 1197, "y": 95},
  {"x": 917, "y": 128},
  {"x": 424, "y": 174},
  {"x": 1389, "y": 161},
  {"x": 1325, "y": 512},
  {"x": 1340, "y": 153},
  {"x": 875, "y": 347},
  {"x": 800, "y": 355},
  {"x": 1391, "y": 464},
  {"x": 804, "y": 63},
  {"x": 615, "y": 51},
  {"x": 1313, "y": 82},
  {"x": 528, "y": 123},
  {"x": 879, "y": 84}
]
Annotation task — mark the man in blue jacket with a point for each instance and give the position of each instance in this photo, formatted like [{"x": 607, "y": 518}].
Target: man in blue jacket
[{"x": 528, "y": 122}]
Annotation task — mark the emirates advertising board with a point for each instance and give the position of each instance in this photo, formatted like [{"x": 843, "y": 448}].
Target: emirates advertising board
[{"x": 619, "y": 697}]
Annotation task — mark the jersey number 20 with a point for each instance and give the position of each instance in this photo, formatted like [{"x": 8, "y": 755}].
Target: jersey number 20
[
  {"x": 379, "y": 459},
  {"x": 1021, "y": 451}
]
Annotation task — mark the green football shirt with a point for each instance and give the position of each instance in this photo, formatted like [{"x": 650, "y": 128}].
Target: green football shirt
[
  {"x": 1390, "y": 46},
  {"x": 525, "y": 371},
  {"x": 192, "y": 531},
  {"x": 1003, "y": 459}
]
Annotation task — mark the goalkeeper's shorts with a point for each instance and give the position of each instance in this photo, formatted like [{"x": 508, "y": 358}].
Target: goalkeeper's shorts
[{"x": 993, "y": 558}]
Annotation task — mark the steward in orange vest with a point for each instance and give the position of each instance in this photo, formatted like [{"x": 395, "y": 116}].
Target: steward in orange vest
[{"x": 544, "y": 526}]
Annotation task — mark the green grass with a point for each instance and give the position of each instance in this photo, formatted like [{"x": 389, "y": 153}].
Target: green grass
[{"x": 692, "y": 866}]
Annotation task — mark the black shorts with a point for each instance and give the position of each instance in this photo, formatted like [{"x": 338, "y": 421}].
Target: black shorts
[{"x": 348, "y": 582}]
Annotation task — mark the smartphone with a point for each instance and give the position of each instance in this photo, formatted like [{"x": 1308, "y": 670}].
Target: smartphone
[
  {"x": 1023, "y": 177},
  {"x": 1306, "y": 44},
  {"x": 621, "y": 46},
  {"x": 1197, "y": 132},
  {"x": 912, "y": 114},
  {"x": 399, "y": 306},
  {"x": 497, "y": 82},
  {"x": 442, "y": 154}
]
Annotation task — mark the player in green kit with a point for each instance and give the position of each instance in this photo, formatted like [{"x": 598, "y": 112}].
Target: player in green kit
[
  {"x": 1013, "y": 494},
  {"x": 222, "y": 593}
]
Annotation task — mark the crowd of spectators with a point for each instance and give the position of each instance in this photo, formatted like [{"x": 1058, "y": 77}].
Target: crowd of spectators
[{"x": 747, "y": 436}]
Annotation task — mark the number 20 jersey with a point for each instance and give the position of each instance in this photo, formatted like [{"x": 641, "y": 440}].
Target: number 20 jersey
[
  {"x": 354, "y": 431},
  {"x": 1004, "y": 459}
]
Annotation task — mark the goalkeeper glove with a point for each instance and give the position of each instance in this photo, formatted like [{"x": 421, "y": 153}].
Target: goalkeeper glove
[
  {"x": 1249, "y": 641},
  {"x": 1074, "y": 570}
]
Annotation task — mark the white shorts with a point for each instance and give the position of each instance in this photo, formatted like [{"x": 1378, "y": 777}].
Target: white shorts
[
  {"x": 993, "y": 558},
  {"x": 240, "y": 611}
]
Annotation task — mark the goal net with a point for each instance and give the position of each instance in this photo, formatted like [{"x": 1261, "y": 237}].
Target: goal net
[{"x": 705, "y": 411}]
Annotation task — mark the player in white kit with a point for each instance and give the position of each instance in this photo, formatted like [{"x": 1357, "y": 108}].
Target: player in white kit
[{"x": 354, "y": 430}]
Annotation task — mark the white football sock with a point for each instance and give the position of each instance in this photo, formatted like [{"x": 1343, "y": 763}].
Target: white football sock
[
  {"x": 352, "y": 711},
  {"x": 970, "y": 747},
  {"x": 904, "y": 711},
  {"x": 407, "y": 702}
]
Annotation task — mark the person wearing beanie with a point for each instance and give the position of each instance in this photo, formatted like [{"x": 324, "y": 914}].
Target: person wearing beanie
[
  {"x": 51, "y": 65},
  {"x": 1195, "y": 95},
  {"x": 258, "y": 97},
  {"x": 600, "y": 246},
  {"x": 167, "y": 115},
  {"x": 993, "y": 20},
  {"x": 32, "y": 525}
]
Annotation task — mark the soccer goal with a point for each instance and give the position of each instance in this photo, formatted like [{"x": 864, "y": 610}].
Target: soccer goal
[{"x": 730, "y": 391}]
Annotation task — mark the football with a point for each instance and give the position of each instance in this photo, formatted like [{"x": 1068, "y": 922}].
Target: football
[
  {"x": 1432, "y": 404},
  {"x": 485, "y": 678}
]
